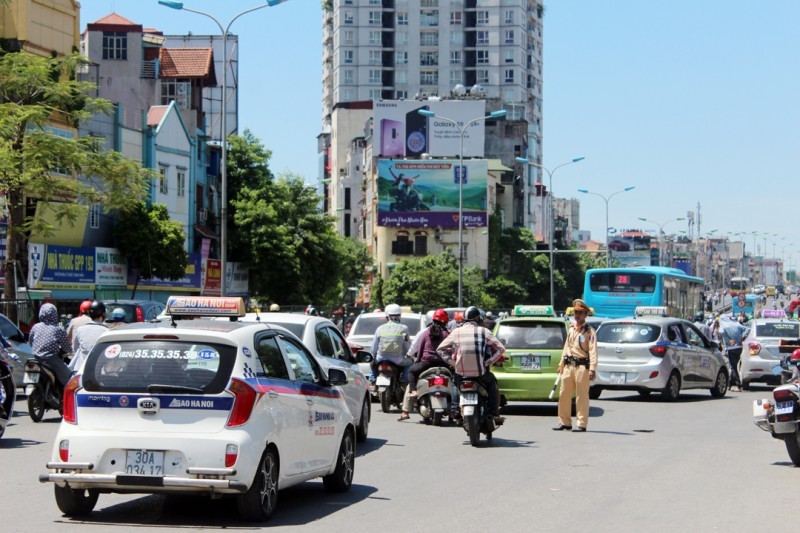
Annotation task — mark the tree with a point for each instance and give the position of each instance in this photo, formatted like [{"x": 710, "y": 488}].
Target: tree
[
  {"x": 354, "y": 257},
  {"x": 429, "y": 281},
  {"x": 152, "y": 242},
  {"x": 38, "y": 167}
]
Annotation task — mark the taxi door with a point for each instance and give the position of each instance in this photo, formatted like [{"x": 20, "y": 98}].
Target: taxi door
[
  {"x": 706, "y": 369},
  {"x": 324, "y": 404}
]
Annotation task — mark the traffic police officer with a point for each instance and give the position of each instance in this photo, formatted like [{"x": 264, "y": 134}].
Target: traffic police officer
[{"x": 577, "y": 369}]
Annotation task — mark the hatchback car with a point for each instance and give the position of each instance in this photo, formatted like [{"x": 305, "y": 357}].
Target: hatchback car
[
  {"x": 201, "y": 407},
  {"x": 760, "y": 351},
  {"x": 363, "y": 330},
  {"x": 327, "y": 344},
  {"x": 653, "y": 352},
  {"x": 136, "y": 310},
  {"x": 19, "y": 346},
  {"x": 534, "y": 339}
]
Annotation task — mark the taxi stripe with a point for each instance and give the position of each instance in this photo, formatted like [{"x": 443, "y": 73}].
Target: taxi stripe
[
  {"x": 282, "y": 386},
  {"x": 166, "y": 401}
]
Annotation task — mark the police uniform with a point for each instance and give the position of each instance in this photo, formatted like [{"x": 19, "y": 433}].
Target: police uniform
[{"x": 578, "y": 358}]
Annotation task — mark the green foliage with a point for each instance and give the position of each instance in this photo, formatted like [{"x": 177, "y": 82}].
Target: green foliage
[
  {"x": 428, "y": 281},
  {"x": 504, "y": 291},
  {"x": 354, "y": 258},
  {"x": 152, "y": 242}
]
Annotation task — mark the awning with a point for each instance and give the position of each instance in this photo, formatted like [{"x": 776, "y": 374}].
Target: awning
[
  {"x": 205, "y": 232},
  {"x": 497, "y": 165}
]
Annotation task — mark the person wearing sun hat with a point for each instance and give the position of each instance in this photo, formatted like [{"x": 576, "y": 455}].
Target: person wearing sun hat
[{"x": 577, "y": 370}]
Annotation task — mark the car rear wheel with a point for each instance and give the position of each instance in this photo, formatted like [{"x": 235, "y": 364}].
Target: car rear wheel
[
  {"x": 793, "y": 447},
  {"x": 720, "y": 385},
  {"x": 73, "y": 502},
  {"x": 342, "y": 477},
  {"x": 259, "y": 502},
  {"x": 363, "y": 426},
  {"x": 672, "y": 390},
  {"x": 36, "y": 404}
]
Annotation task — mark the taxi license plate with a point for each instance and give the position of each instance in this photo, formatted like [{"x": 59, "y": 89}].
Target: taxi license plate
[
  {"x": 530, "y": 362},
  {"x": 144, "y": 463},
  {"x": 469, "y": 398},
  {"x": 30, "y": 377},
  {"x": 617, "y": 378},
  {"x": 784, "y": 408}
]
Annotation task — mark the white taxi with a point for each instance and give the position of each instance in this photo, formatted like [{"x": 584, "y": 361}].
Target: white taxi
[{"x": 201, "y": 407}]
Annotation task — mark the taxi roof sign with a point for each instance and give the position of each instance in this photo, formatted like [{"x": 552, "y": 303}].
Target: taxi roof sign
[
  {"x": 205, "y": 306},
  {"x": 651, "y": 310},
  {"x": 532, "y": 310}
]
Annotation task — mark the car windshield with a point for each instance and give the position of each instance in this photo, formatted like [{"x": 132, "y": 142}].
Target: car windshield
[
  {"x": 173, "y": 366},
  {"x": 532, "y": 335},
  {"x": 778, "y": 329},
  {"x": 366, "y": 325},
  {"x": 628, "y": 333},
  {"x": 297, "y": 329}
]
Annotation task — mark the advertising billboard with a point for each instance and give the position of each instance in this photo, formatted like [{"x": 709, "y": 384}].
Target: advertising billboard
[
  {"x": 630, "y": 249},
  {"x": 419, "y": 193},
  {"x": 401, "y": 131}
]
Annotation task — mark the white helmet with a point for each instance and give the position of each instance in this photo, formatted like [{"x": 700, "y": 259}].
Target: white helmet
[{"x": 393, "y": 310}]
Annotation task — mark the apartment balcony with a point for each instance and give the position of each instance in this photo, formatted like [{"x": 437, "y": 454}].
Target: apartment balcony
[{"x": 149, "y": 69}]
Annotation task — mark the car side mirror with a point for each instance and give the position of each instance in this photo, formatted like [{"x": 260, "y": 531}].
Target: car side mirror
[
  {"x": 337, "y": 377},
  {"x": 716, "y": 345},
  {"x": 363, "y": 356}
]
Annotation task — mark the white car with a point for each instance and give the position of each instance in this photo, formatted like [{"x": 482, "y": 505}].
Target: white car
[
  {"x": 759, "y": 289},
  {"x": 328, "y": 345},
  {"x": 363, "y": 330},
  {"x": 201, "y": 407},
  {"x": 761, "y": 349}
]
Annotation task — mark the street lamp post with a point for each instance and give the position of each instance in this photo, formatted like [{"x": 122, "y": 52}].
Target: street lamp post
[
  {"x": 661, "y": 235},
  {"x": 461, "y": 174},
  {"x": 551, "y": 215},
  {"x": 223, "y": 178},
  {"x": 607, "y": 199}
]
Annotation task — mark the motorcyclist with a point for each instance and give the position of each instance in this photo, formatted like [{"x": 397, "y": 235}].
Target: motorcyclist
[
  {"x": 87, "y": 335},
  {"x": 794, "y": 304},
  {"x": 79, "y": 321},
  {"x": 117, "y": 318},
  {"x": 391, "y": 343},
  {"x": 49, "y": 343},
  {"x": 471, "y": 349}
]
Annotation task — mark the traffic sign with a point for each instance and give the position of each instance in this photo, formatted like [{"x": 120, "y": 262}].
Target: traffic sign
[
  {"x": 462, "y": 174},
  {"x": 741, "y": 303}
]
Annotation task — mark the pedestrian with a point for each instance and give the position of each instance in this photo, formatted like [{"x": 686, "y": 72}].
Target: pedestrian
[
  {"x": 733, "y": 333},
  {"x": 577, "y": 369},
  {"x": 86, "y": 336},
  {"x": 78, "y": 321}
]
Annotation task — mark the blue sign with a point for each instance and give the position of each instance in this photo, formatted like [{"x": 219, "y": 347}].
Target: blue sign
[
  {"x": 460, "y": 173},
  {"x": 60, "y": 267}
]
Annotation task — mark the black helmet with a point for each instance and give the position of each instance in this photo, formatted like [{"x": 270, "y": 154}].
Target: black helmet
[
  {"x": 474, "y": 314},
  {"x": 698, "y": 317},
  {"x": 97, "y": 309}
]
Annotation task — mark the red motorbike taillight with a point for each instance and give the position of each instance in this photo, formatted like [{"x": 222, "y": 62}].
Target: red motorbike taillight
[
  {"x": 468, "y": 385},
  {"x": 437, "y": 381},
  {"x": 63, "y": 450},
  {"x": 658, "y": 350},
  {"x": 244, "y": 399},
  {"x": 755, "y": 348},
  {"x": 384, "y": 366},
  {"x": 70, "y": 401},
  {"x": 784, "y": 395},
  {"x": 31, "y": 366},
  {"x": 231, "y": 454}
]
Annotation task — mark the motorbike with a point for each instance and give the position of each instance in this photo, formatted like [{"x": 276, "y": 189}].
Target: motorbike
[
  {"x": 435, "y": 393},
  {"x": 475, "y": 412},
  {"x": 8, "y": 388},
  {"x": 390, "y": 390},
  {"x": 779, "y": 416},
  {"x": 42, "y": 388}
]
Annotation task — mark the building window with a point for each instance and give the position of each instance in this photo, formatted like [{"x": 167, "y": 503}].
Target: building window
[
  {"x": 175, "y": 90},
  {"x": 420, "y": 244},
  {"x": 456, "y": 18},
  {"x": 429, "y": 38},
  {"x": 429, "y": 59},
  {"x": 456, "y": 76},
  {"x": 348, "y": 77},
  {"x": 375, "y": 57},
  {"x": 401, "y": 37},
  {"x": 482, "y": 75},
  {"x": 163, "y": 185},
  {"x": 349, "y": 36},
  {"x": 481, "y": 37},
  {"x": 181, "y": 183},
  {"x": 374, "y": 76},
  {"x": 115, "y": 45},
  {"x": 457, "y": 37},
  {"x": 402, "y": 19},
  {"x": 509, "y": 56},
  {"x": 401, "y": 58},
  {"x": 346, "y": 198},
  {"x": 455, "y": 57},
  {"x": 348, "y": 57},
  {"x": 509, "y": 95},
  {"x": 429, "y": 78},
  {"x": 509, "y": 16},
  {"x": 482, "y": 57},
  {"x": 509, "y": 75},
  {"x": 429, "y": 18},
  {"x": 375, "y": 94},
  {"x": 509, "y": 39},
  {"x": 400, "y": 95},
  {"x": 483, "y": 18},
  {"x": 375, "y": 18},
  {"x": 347, "y": 95},
  {"x": 94, "y": 216},
  {"x": 348, "y": 17},
  {"x": 375, "y": 38},
  {"x": 402, "y": 246},
  {"x": 400, "y": 77}
]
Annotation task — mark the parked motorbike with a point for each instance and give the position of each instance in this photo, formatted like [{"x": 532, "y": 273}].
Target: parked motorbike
[
  {"x": 475, "y": 412},
  {"x": 390, "y": 390},
  {"x": 780, "y": 415},
  {"x": 435, "y": 393},
  {"x": 42, "y": 388},
  {"x": 8, "y": 388}
]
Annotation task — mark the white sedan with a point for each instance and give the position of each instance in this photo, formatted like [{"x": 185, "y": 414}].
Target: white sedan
[{"x": 201, "y": 407}]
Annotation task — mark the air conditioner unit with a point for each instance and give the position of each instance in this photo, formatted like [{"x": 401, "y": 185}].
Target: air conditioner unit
[{"x": 203, "y": 215}]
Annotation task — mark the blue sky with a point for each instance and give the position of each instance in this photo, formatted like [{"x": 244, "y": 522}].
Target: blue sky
[{"x": 687, "y": 100}]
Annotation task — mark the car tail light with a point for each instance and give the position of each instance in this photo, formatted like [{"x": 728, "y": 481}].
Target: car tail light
[
  {"x": 63, "y": 450},
  {"x": 654, "y": 374},
  {"x": 658, "y": 350},
  {"x": 139, "y": 314},
  {"x": 69, "y": 403},
  {"x": 437, "y": 381},
  {"x": 244, "y": 399},
  {"x": 755, "y": 348},
  {"x": 231, "y": 454}
]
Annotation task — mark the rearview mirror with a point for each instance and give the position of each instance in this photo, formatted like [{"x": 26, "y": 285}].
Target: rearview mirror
[
  {"x": 337, "y": 377},
  {"x": 363, "y": 356}
]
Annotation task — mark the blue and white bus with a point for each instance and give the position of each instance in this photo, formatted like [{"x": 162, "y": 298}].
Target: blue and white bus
[{"x": 617, "y": 292}]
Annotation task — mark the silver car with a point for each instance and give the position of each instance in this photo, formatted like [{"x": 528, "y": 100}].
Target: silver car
[
  {"x": 363, "y": 330},
  {"x": 661, "y": 354},
  {"x": 760, "y": 353},
  {"x": 19, "y": 346}
]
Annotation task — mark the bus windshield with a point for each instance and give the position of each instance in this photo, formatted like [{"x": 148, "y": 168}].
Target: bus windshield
[{"x": 622, "y": 282}]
